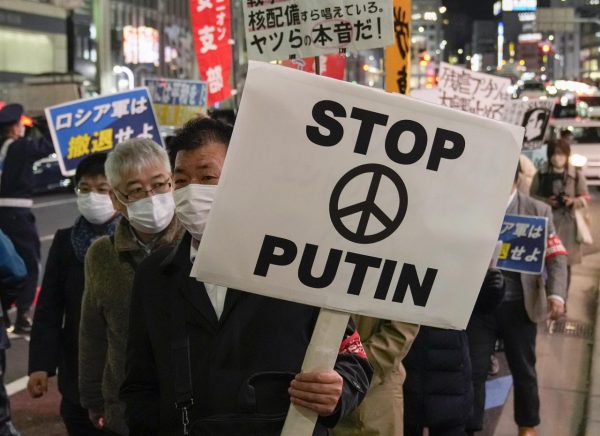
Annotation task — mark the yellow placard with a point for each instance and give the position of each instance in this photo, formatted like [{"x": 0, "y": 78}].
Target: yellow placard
[
  {"x": 398, "y": 55},
  {"x": 176, "y": 115}
]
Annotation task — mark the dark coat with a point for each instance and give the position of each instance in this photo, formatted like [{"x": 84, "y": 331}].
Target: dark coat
[
  {"x": 255, "y": 334},
  {"x": 17, "y": 173},
  {"x": 438, "y": 391},
  {"x": 55, "y": 331}
]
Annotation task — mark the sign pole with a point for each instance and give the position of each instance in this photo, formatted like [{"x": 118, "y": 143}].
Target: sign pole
[{"x": 320, "y": 356}]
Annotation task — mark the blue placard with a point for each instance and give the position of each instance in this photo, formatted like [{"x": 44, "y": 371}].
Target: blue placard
[
  {"x": 178, "y": 92},
  {"x": 96, "y": 125},
  {"x": 523, "y": 244}
]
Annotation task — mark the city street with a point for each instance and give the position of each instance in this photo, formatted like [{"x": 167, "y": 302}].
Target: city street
[{"x": 59, "y": 210}]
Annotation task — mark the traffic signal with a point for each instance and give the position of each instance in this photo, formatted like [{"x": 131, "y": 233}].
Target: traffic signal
[{"x": 545, "y": 47}]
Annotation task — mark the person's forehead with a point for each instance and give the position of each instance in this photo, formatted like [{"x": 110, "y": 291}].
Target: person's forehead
[
  {"x": 145, "y": 172},
  {"x": 207, "y": 156}
]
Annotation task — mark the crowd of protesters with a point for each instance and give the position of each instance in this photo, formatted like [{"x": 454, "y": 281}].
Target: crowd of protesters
[{"x": 141, "y": 348}]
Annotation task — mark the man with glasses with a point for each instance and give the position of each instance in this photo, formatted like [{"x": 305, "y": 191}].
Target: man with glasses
[
  {"x": 139, "y": 173},
  {"x": 55, "y": 333}
]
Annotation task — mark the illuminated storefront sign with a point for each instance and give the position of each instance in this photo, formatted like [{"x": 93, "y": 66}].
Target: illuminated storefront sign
[
  {"x": 519, "y": 5},
  {"x": 141, "y": 45}
]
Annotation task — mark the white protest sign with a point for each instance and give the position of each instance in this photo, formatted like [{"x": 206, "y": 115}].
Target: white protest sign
[
  {"x": 278, "y": 30},
  {"x": 353, "y": 199},
  {"x": 534, "y": 115},
  {"x": 470, "y": 91}
]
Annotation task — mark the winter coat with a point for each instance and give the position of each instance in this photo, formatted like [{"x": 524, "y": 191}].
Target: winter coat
[
  {"x": 381, "y": 412},
  {"x": 573, "y": 184},
  {"x": 55, "y": 331},
  {"x": 241, "y": 364},
  {"x": 438, "y": 389},
  {"x": 109, "y": 271}
]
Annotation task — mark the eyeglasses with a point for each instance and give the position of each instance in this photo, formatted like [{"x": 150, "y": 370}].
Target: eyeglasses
[{"x": 139, "y": 193}]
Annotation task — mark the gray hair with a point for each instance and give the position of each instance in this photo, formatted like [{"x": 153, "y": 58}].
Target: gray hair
[{"x": 133, "y": 156}]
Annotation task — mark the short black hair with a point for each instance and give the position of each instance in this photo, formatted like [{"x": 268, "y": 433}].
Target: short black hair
[
  {"x": 197, "y": 133},
  {"x": 91, "y": 166}
]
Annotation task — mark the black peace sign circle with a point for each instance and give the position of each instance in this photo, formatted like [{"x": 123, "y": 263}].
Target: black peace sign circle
[{"x": 368, "y": 207}]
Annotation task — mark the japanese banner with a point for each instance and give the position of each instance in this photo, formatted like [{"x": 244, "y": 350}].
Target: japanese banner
[
  {"x": 211, "y": 27},
  {"x": 177, "y": 101},
  {"x": 523, "y": 244},
  {"x": 96, "y": 125},
  {"x": 369, "y": 202},
  {"x": 331, "y": 65},
  {"x": 469, "y": 91},
  {"x": 397, "y": 56},
  {"x": 277, "y": 30},
  {"x": 534, "y": 115}
]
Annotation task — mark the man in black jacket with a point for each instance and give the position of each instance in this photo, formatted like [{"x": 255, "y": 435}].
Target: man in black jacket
[
  {"x": 54, "y": 338},
  {"x": 229, "y": 360}
]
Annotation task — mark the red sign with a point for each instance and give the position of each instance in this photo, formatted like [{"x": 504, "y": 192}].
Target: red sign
[
  {"x": 332, "y": 65},
  {"x": 211, "y": 27}
]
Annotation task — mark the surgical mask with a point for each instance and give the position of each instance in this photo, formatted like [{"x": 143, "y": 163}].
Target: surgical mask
[
  {"x": 558, "y": 160},
  {"x": 152, "y": 214},
  {"x": 193, "y": 204},
  {"x": 96, "y": 208}
]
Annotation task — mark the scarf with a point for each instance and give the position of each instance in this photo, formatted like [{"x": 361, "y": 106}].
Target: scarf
[{"x": 84, "y": 233}]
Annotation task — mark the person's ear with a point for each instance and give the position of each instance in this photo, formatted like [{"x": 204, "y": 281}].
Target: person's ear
[{"x": 119, "y": 207}]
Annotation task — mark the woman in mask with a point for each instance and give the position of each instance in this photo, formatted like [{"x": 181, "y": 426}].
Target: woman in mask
[
  {"x": 54, "y": 336},
  {"x": 564, "y": 188},
  {"x": 139, "y": 174}
]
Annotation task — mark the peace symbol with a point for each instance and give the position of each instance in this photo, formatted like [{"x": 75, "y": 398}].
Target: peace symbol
[{"x": 368, "y": 207}]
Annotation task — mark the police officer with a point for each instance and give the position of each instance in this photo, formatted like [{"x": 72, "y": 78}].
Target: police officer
[{"x": 17, "y": 155}]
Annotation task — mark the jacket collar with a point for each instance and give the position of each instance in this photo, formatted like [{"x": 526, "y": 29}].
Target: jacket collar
[
  {"x": 178, "y": 265},
  {"x": 571, "y": 170},
  {"x": 125, "y": 241}
]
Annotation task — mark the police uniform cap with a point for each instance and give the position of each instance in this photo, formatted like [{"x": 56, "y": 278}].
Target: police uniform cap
[{"x": 11, "y": 113}]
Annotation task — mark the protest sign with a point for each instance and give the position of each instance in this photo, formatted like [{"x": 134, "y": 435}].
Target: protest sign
[
  {"x": 397, "y": 56},
  {"x": 96, "y": 125},
  {"x": 177, "y": 101},
  {"x": 331, "y": 65},
  {"x": 361, "y": 201},
  {"x": 469, "y": 91},
  {"x": 523, "y": 244},
  {"x": 211, "y": 28},
  {"x": 534, "y": 115},
  {"x": 285, "y": 28}
]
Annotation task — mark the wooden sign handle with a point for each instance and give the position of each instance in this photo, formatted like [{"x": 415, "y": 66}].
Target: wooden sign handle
[{"x": 321, "y": 355}]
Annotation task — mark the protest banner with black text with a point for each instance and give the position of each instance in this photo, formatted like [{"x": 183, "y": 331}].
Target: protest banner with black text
[
  {"x": 292, "y": 28},
  {"x": 360, "y": 201}
]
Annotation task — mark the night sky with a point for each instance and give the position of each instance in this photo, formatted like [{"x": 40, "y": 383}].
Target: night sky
[{"x": 478, "y": 9}]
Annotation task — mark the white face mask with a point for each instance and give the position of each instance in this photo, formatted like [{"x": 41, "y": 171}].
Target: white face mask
[
  {"x": 152, "y": 214},
  {"x": 558, "y": 160},
  {"x": 96, "y": 208},
  {"x": 193, "y": 204}
]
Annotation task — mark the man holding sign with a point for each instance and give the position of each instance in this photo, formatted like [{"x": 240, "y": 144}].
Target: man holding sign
[
  {"x": 228, "y": 359},
  {"x": 529, "y": 299}
]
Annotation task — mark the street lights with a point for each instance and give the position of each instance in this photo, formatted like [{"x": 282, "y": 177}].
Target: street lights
[{"x": 120, "y": 69}]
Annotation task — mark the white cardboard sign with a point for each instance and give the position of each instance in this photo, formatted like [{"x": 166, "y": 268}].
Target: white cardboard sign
[
  {"x": 534, "y": 115},
  {"x": 285, "y": 28},
  {"x": 353, "y": 199},
  {"x": 470, "y": 91}
]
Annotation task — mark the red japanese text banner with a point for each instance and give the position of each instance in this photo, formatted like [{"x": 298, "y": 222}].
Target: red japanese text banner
[{"x": 211, "y": 27}]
